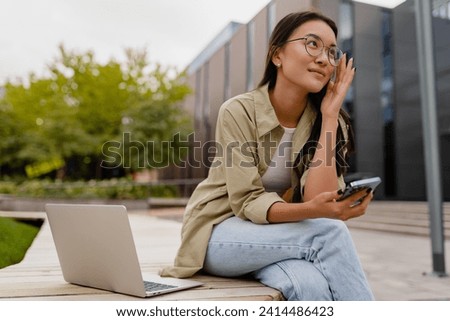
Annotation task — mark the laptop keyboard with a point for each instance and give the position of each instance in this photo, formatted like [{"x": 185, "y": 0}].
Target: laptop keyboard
[{"x": 153, "y": 286}]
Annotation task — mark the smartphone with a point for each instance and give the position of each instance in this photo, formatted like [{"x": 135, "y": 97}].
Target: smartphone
[{"x": 358, "y": 185}]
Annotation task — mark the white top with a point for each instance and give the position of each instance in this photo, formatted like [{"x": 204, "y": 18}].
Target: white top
[{"x": 277, "y": 178}]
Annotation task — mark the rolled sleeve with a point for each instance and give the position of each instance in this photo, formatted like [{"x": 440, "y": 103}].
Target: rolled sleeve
[{"x": 256, "y": 211}]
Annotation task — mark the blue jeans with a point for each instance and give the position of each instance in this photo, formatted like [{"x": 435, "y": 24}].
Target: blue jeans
[{"x": 309, "y": 260}]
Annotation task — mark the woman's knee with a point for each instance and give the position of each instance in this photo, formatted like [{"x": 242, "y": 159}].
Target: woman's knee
[
  {"x": 335, "y": 231},
  {"x": 328, "y": 224},
  {"x": 298, "y": 280}
]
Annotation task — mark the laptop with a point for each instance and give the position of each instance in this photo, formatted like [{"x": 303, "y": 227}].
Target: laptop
[{"x": 95, "y": 247}]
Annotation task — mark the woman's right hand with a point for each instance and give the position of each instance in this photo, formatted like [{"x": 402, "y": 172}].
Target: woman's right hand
[
  {"x": 337, "y": 89},
  {"x": 326, "y": 205}
]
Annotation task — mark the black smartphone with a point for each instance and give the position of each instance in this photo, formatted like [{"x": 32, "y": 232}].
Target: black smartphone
[
  {"x": 358, "y": 185},
  {"x": 348, "y": 57}
]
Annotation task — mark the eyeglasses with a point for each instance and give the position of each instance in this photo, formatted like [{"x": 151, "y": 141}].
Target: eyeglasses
[{"x": 314, "y": 47}]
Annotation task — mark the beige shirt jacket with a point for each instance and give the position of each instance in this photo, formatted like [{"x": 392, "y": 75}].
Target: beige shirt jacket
[{"x": 247, "y": 136}]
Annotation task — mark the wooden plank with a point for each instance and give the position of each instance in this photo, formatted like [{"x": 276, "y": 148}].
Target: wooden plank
[
  {"x": 276, "y": 296},
  {"x": 394, "y": 221},
  {"x": 219, "y": 294},
  {"x": 157, "y": 202},
  {"x": 57, "y": 289},
  {"x": 41, "y": 289},
  {"x": 418, "y": 216},
  {"x": 410, "y": 218},
  {"x": 388, "y": 228},
  {"x": 24, "y": 215},
  {"x": 406, "y": 207},
  {"x": 410, "y": 230}
]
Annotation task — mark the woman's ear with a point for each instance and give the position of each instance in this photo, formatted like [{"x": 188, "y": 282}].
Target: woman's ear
[{"x": 276, "y": 60}]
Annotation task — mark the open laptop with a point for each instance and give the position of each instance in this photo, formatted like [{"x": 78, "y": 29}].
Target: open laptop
[{"x": 95, "y": 248}]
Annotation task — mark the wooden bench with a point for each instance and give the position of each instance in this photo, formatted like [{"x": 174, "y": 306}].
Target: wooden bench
[
  {"x": 39, "y": 275},
  {"x": 159, "y": 202}
]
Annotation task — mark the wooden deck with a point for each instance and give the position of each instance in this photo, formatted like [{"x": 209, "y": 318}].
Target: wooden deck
[
  {"x": 156, "y": 234},
  {"x": 39, "y": 277},
  {"x": 410, "y": 218}
]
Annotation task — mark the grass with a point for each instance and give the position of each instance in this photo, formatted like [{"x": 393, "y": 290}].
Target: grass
[{"x": 15, "y": 239}]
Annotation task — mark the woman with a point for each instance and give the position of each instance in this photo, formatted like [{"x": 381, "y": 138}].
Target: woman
[{"x": 280, "y": 159}]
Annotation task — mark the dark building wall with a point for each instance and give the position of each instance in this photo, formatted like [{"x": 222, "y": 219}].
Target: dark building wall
[
  {"x": 367, "y": 112},
  {"x": 216, "y": 90},
  {"x": 260, "y": 41},
  {"x": 328, "y": 8},
  {"x": 238, "y": 62},
  {"x": 408, "y": 121},
  {"x": 410, "y": 161},
  {"x": 284, "y": 7},
  {"x": 442, "y": 45}
]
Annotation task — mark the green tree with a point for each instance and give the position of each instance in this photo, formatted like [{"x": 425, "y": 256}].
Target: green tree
[
  {"x": 10, "y": 141},
  {"x": 83, "y": 104}
]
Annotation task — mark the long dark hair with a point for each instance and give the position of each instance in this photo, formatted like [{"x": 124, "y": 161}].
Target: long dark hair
[{"x": 280, "y": 35}]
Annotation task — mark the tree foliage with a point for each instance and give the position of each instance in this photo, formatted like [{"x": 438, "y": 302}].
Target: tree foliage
[{"x": 82, "y": 105}]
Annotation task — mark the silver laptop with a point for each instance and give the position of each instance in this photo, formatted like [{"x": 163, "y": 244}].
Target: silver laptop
[{"x": 95, "y": 248}]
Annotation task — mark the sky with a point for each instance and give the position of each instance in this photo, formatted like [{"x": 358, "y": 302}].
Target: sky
[{"x": 173, "y": 32}]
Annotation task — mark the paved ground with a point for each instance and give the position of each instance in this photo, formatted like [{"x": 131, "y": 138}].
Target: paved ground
[
  {"x": 399, "y": 266},
  {"x": 398, "y": 263}
]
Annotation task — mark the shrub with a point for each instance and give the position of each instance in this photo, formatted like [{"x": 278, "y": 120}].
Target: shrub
[{"x": 122, "y": 188}]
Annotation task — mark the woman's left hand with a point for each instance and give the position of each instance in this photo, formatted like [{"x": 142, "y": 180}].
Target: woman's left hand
[{"x": 337, "y": 89}]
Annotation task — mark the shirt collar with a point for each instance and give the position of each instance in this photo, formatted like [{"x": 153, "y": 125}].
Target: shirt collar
[{"x": 266, "y": 119}]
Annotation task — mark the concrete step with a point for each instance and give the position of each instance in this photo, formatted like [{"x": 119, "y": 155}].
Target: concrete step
[{"x": 400, "y": 217}]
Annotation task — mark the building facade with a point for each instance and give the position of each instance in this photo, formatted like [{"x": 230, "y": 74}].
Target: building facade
[{"x": 384, "y": 101}]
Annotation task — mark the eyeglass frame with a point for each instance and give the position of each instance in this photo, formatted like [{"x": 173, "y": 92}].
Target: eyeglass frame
[{"x": 323, "y": 47}]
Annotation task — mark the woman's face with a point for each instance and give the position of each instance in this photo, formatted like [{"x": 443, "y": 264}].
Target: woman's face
[{"x": 300, "y": 69}]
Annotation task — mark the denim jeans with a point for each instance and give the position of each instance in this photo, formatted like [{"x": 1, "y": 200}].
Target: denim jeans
[{"x": 310, "y": 260}]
